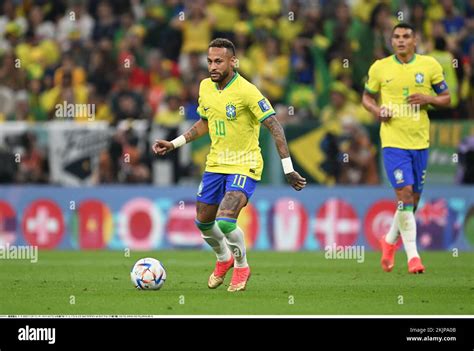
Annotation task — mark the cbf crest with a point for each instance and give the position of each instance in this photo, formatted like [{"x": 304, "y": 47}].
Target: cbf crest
[
  {"x": 231, "y": 111},
  {"x": 398, "y": 174},
  {"x": 419, "y": 78}
]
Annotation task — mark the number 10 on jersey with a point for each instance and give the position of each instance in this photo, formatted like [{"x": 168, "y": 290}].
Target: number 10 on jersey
[{"x": 220, "y": 128}]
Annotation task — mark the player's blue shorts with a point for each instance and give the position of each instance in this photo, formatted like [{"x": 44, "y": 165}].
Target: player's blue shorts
[
  {"x": 406, "y": 167},
  {"x": 214, "y": 186}
]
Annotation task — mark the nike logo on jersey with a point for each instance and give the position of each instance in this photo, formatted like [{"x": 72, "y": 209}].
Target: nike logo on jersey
[{"x": 388, "y": 80}]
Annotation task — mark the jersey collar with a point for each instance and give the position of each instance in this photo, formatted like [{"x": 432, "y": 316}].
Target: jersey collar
[
  {"x": 230, "y": 82},
  {"x": 403, "y": 63}
]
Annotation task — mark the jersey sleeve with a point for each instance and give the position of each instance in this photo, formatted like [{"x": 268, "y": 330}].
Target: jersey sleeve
[
  {"x": 201, "y": 109},
  {"x": 258, "y": 104},
  {"x": 373, "y": 81},
  {"x": 437, "y": 78}
]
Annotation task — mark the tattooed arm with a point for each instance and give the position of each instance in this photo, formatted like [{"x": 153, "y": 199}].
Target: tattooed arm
[
  {"x": 197, "y": 130},
  {"x": 278, "y": 134},
  {"x": 162, "y": 147}
]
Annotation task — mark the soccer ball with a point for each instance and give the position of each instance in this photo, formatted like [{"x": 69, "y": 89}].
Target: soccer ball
[{"x": 148, "y": 274}]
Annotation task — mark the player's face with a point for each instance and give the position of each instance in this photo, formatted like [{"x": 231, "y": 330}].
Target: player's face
[
  {"x": 219, "y": 63},
  {"x": 403, "y": 41}
]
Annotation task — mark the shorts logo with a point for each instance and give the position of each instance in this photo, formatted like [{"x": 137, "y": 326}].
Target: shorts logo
[
  {"x": 230, "y": 111},
  {"x": 263, "y": 105},
  {"x": 199, "y": 193},
  {"x": 398, "y": 174},
  {"x": 419, "y": 78},
  {"x": 423, "y": 177}
]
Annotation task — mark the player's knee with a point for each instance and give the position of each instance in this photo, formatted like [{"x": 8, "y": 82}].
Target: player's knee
[
  {"x": 226, "y": 225},
  {"x": 204, "y": 226},
  {"x": 406, "y": 196},
  {"x": 417, "y": 201}
]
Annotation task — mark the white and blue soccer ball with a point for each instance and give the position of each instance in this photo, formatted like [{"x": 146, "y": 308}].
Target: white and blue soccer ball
[{"x": 148, "y": 274}]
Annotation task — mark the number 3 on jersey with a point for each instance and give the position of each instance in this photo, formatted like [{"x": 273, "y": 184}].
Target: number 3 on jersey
[
  {"x": 220, "y": 128},
  {"x": 406, "y": 93}
]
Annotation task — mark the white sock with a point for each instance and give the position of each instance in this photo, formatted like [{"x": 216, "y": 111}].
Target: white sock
[
  {"x": 392, "y": 236},
  {"x": 236, "y": 244},
  {"x": 216, "y": 239},
  {"x": 407, "y": 226}
]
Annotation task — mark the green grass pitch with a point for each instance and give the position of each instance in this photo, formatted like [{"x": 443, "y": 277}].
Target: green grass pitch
[{"x": 98, "y": 282}]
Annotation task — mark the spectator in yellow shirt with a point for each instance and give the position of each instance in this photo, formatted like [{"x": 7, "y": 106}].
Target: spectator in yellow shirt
[
  {"x": 342, "y": 110},
  {"x": 65, "y": 93},
  {"x": 170, "y": 116},
  {"x": 68, "y": 65},
  {"x": 267, "y": 8},
  {"x": 272, "y": 71},
  {"x": 196, "y": 24},
  {"x": 226, "y": 16}
]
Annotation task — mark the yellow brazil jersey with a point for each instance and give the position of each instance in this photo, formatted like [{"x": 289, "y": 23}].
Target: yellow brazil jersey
[
  {"x": 395, "y": 81},
  {"x": 234, "y": 115}
]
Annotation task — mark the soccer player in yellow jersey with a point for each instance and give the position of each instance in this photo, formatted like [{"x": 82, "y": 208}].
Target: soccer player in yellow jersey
[
  {"x": 405, "y": 82},
  {"x": 231, "y": 111}
]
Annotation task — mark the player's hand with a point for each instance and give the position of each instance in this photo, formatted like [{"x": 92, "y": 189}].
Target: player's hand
[
  {"x": 162, "y": 147},
  {"x": 419, "y": 99},
  {"x": 296, "y": 181},
  {"x": 384, "y": 114}
]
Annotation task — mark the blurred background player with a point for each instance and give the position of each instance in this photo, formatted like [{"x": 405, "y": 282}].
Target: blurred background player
[
  {"x": 405, "y": 82},
  {"x": 231, "y": 110}
]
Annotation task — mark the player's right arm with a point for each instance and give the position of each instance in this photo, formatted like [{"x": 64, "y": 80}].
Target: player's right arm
[
  {"x": 381, "y": 113},
  {"x": 371, "y": 91},
  {"x": 162, "y": 147}
]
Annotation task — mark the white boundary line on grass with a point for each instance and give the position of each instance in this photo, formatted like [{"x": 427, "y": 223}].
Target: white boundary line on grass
[{"x": 243, "y": 316}]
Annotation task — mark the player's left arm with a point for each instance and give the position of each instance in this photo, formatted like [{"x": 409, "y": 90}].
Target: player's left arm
[
  {"x": 442, "y": 98},
  {"x": 278, "y": 134},
  {"x": 265, "y": 114}
]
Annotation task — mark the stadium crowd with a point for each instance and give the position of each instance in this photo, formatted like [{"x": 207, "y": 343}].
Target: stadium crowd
[{"x": 144, "y": 59}]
